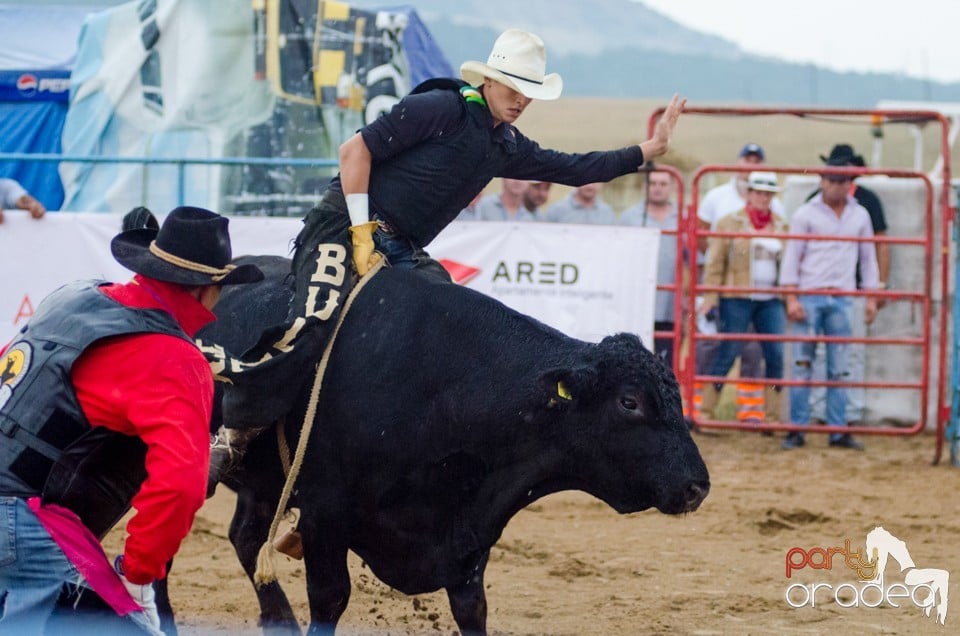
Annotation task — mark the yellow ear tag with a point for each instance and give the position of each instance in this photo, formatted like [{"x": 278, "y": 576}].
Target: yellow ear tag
[{"x": 563, "y": 392}]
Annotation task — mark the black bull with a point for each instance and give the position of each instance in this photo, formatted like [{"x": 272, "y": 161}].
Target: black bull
[{"x": 442, "y": 414}]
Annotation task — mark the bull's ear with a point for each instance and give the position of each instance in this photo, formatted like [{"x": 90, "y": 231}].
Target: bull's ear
[{"x": 564, "y": 386}]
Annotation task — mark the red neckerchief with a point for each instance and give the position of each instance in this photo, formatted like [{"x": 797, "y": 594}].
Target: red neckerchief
[{"x": 759, "y": 218}]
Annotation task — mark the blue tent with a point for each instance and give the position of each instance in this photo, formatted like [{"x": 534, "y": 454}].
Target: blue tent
[{"x": 37, "y": 51}]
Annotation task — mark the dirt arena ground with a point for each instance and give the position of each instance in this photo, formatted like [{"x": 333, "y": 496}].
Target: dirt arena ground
[{"x": 570, "y": 565}]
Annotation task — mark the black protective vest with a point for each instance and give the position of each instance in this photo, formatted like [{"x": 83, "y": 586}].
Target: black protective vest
[
  {"x": 420, "y": 191},
  {"x": 47, "y": 446}
]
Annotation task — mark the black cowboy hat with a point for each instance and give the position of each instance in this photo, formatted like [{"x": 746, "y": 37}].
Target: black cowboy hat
[
  {"x": 192, "y": 247},
  {"x": 843, "y": 155}
]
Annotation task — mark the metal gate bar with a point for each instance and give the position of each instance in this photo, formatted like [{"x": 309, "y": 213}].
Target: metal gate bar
[{"x": 874, "y": 117}]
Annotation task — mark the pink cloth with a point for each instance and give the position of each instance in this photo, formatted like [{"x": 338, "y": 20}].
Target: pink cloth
[{"x": 85, "y": 552}]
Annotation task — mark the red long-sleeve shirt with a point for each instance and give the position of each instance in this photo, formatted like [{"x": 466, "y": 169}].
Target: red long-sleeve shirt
[{"x": 159, "y": 388}]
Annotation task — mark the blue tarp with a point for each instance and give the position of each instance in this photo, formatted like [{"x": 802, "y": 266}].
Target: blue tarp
[
  {"x": 37, "y": 50},
  {"x": 33, "y": 128}
]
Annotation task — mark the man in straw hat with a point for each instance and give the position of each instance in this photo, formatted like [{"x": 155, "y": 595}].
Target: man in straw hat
[
  {"x": 747, "y": 261},
  {"x": 105, "y": 402},
  {"x": 403, "y": 178}
]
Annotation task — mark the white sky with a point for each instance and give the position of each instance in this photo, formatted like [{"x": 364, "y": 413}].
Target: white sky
[{"x": 920, "y": 38}]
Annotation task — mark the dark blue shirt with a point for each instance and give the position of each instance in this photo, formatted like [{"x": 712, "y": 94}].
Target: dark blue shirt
[{"x": 434, "y": 152}]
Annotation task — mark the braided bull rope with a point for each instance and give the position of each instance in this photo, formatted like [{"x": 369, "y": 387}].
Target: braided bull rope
[{"x": 266, "y": 568}]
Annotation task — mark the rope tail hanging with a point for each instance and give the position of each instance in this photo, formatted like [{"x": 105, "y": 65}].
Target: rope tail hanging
[{"x": 266, "y": 568}]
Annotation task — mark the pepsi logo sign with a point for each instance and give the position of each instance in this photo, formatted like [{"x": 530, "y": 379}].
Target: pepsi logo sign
[{"x": 27, "y": 84}]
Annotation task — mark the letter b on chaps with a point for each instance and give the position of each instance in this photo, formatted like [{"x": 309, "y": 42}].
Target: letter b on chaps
[
  {"x": 328, "y": 277},
  {"x": 263, "y": 384}
]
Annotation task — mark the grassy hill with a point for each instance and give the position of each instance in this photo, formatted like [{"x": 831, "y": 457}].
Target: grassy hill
[{"x": 577, "y": 124}]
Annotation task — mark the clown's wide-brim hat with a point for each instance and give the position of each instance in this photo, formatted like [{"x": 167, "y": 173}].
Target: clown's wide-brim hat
[{"x": 192, "y": 247}]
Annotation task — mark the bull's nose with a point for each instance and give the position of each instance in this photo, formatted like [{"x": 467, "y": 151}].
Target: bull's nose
[{"x": 696, "y": 493}]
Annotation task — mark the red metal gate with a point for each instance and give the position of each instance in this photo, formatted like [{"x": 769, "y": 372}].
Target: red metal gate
[{"x": 935, "y": 211}]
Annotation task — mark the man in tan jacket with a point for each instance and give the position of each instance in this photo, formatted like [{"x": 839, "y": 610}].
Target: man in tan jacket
[{"x": 746, "y": 263}]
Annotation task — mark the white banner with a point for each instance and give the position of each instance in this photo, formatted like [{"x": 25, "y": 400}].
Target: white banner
[
  {"x": 41, "y": 255},
  {"x": 587, "y": 281}
]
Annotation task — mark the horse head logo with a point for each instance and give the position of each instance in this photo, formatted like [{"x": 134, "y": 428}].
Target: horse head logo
[{"x": 881, "y": 546}]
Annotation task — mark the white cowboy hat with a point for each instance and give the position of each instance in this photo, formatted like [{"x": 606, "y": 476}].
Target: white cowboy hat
[
  {"x": 518, "y": 60},
  {"x": 763, "y": 182}
]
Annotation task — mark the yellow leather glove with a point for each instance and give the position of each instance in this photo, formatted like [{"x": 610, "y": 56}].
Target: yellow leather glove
[{"x": 364, "y": 256}]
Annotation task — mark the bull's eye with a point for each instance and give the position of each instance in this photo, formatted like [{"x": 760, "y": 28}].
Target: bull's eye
[{"x": 628, "y": 403}]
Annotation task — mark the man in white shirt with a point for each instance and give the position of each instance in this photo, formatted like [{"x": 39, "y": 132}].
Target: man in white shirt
[
  {"x": 730, "y": 197},
  {"x": 716, "y": 204}
]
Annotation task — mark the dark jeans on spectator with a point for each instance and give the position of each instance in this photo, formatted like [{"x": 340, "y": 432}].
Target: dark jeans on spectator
[{"x": 736, "y": 315}]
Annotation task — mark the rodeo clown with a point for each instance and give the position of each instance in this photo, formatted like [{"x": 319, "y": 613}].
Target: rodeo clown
[{"x": 105, "y": 402}]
